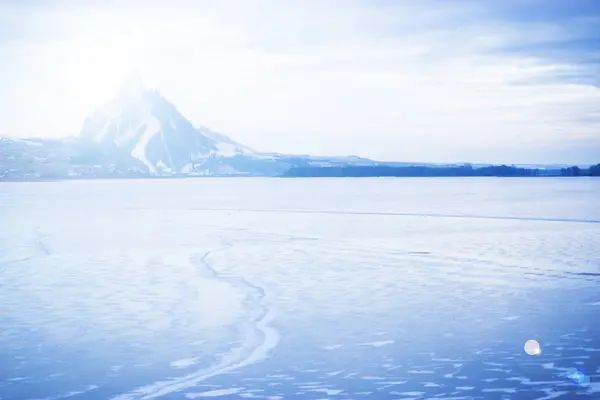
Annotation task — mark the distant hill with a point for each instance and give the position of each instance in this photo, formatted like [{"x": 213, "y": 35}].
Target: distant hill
[{"x": 434, "y": 171}]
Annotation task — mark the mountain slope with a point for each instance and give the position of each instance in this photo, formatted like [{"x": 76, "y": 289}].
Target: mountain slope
[{"x": 150, "y": 128}]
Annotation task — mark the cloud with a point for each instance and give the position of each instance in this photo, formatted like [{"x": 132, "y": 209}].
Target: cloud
[{"x": 428, "y": 80}]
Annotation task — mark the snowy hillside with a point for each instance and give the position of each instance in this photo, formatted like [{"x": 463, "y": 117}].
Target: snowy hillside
[{"x": 147, "y": 126}]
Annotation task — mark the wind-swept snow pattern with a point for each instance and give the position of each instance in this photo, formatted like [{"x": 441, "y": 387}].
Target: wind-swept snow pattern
[
  {"x": 214, "y": 393},
  {"x": 401, "y": 214},
  {"x": 259, "y": 341},
  {"x": 19, "y": 249}
]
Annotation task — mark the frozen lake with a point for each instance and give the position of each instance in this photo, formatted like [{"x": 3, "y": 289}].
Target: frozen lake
[{"x": 300, "y": 288}]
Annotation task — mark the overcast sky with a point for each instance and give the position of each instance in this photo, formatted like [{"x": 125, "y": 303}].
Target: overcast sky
[{"x": 419, "y": 80}]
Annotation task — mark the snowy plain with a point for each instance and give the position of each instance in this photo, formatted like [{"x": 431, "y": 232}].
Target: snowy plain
[{"x": 299, "y": 288}]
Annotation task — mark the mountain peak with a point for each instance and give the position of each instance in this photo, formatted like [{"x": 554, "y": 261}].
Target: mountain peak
[
  {"x": 151, "y": 129},
  {"x": 132, "y": 87}
]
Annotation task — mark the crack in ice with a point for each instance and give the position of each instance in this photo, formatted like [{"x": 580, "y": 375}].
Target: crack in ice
[{"x": 262, "y": 338}]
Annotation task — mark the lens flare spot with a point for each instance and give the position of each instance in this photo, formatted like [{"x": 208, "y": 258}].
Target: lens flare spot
[
  {"x": 578, "y": 377},
  {"x": 532, "y": 347}
]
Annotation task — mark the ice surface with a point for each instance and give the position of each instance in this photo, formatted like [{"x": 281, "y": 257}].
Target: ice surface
[
  {"x": 500, "y": 390},
  {"x": 214, "y": 393},
  {"x": 329, "y": 392},
  {"x": 374, "y": 287},
  {"x": 552, "y": 394},
  {"x": 380, "y": 343},
  {"x": 594, "y": 387},
  {"x": 184, "y": 363}
]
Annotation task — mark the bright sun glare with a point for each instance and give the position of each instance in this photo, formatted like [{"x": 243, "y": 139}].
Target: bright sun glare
[{"x": 92, "y": 68}]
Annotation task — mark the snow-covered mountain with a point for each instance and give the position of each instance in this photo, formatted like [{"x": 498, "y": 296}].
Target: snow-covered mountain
[
  {"x": 150, "y": 128},
  {"x": 139, "y": 132}
]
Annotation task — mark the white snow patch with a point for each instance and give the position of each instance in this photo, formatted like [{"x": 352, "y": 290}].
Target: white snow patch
[
  {"x": 270, "y": 339},
  {"x": 102, "y": 133},
  {"x": 72, "y": 393},
  {"x": 217, "y": 137},
  {"x": 183, "y": 363},
  {"x": 214, "y": 393},
  {"x": 551, "y": 394},
  {"x": 228, "y": 149},
  {"x": 589, "y": 349},
  {"x": 594, "y": 387},
  {"x": 329, "y": 392},
  {"x": 380, "y": 343},
  {"x": 251, "y": 396},
  {"x": 333, "y": 347},
  {"x": 28, "y": 142},
  {"x": 454, "y": 398},
  {"x": 152, "y": 127},
  {"x": 261, "y": 156},
  {"x": 187, "y": 168},
  {"x": 163, "y": 167},
  {"x": 500, "y": 390},
  {"x": 527, "y": 381}
]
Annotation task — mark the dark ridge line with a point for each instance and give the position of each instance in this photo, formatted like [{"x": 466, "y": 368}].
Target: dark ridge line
[
  {"x": 584, "y": 274},
  {"x": 399, "y": 214}
]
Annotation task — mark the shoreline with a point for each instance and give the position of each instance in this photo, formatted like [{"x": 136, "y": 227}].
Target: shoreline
[{"x": 271, "y": 176}]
